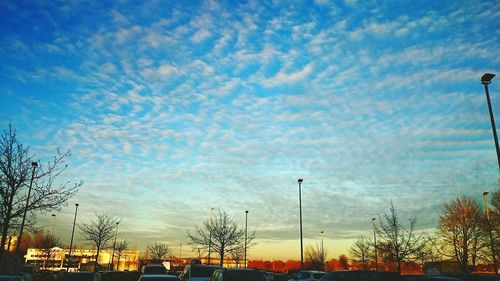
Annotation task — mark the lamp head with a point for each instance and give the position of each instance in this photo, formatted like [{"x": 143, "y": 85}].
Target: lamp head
[
  {"x": 76, "y": 205},
  {"x": 486, "y": 78},
  {"x": 300, "y": 180},
  {"x": 246, "y": 212},
  {"x": 34, "y": 164},
  {"x": 485, "y": 193}
]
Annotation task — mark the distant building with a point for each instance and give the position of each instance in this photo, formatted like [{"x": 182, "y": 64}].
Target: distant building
[{"x": 82, "y": 259}]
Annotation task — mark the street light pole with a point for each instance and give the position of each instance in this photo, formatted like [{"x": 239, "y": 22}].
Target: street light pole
[
  {"x": 34, "y": 165},
  {"x": 375, "y": 243},
  {"x": 486, "y": 80},
  {"x": 322, "y": 249},
  {"x": 72, "y": 235},
  {"x": 300, "y": 214},
  {"x": 53, "y": 223},
  {"x": 246, "y": 235},
  {"x": 114, "y": 247},
  {"x": 493, "y": 252}
]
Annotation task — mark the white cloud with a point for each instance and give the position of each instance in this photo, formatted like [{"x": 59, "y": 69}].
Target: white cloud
[
  {"x": 288, "y": 78},
  {"x": 201, "y": 35}
]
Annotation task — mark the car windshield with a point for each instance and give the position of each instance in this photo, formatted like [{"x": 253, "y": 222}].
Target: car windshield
[
  {"x": 202, "y": 271},
  {"x": 155, "y": 270},
  {"x": 318, "y": 275}
]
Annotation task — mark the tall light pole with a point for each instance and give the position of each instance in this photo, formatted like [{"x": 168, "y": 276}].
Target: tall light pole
[
  {"x": 53, "y": 223},
  {"x": 300, "y": 215},
  {"x": 486, "y": 80},
  {"x": 34, "y": 165},
  {"x": 493, "y": 252},
  {"x": 322, "y": 249},
  {"x": 246, "y": 235},
  {"x": 114, "y": 247},
  {"x": 375, "y": 242},
  {"x": 72, "y": 235},
  {"x": 210, "y": 236}
]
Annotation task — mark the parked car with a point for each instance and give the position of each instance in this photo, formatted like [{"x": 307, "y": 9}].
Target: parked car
[
  {"x": 280, "y": 277},
  {"x": 159, "y": 277},
  {"x": 11, "y": 278},
  {"x": 80, "y": 276},
  {"x": 198, "y": 272},
  {"x": 353, "y": 275},
  {"x": 116, "y": 276},
  {"x": 433, "y": 278},
  {"x": 309, "y": 275},
  {"x": 237, "y": 275},
  {"x": 154, "y": 269}
]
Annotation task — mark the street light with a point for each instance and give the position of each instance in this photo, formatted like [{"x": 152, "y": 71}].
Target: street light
[
  {"x": 322, "y": 249},
  {"x": 53, "y": 223},
  {"x": 493, "y": 252},
  {"x": 72, "y": 235},
  {"x": 114, "y": 246},
  {"x": 34, "y": 165},
  {"x": 486, "y": 80},
  {"x": 375, "y": 243},
  {"x": 300, "y": 214},
  {"x": 246, "y": 234}
]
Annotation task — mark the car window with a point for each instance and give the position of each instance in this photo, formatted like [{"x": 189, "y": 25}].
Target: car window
[
  {"x": 318, "y": 275},
  {"x": 304, "y": 275},
  {"x": 202, "y": 271}
]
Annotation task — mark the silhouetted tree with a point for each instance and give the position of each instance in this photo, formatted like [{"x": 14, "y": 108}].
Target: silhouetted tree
[
  {"x": 120, "y": 249},
  {"x": 343, "y": 262},
  {"x": 16, "y": 172},
  {"x": 45, "y": 242},
  {"x": 99, "y": 233},
  {"x": 158, "y": 252},
  {"x": 462, "y": 231},
  {"x": 360, "y": 251},
  {"x": 397, "y": 242},
  {"x": 222, "y": 233},
  {"x": 237, "y": 255},
  {"x": 315, "y": 258}
]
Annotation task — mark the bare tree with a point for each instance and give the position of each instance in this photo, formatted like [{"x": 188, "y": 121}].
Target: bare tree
[
  {"x": 17, "y": 171},
  {"x": 158, "y": 252},
  {"x": 99, "y": 233},
  {"x": 46, "y": 242},
  {"x": 495, "y": 220},
  {"x": 396, "y": 241},
  {"x": 462, "y": 231},
  {"x": 237, "y": 255},
  {"x": 120, "y": 249},
  {"x": 315, "y": 257},
  {"x": 360, "y": 251},
  {"x": 222, "y": 234}
]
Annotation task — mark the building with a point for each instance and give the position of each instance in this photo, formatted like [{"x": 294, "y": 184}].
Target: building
[
  {"x": 10, "y": 243},
  {"x": 82, "y": 259}
]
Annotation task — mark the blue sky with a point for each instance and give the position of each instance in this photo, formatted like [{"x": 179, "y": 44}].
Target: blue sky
[{"x": 171, "y": 108}]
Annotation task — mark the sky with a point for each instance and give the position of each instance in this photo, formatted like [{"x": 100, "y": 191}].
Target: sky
[{"x": 171, "y": 108}]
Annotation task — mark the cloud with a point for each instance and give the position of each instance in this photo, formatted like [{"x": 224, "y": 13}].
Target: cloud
[{"x": 288, "y": 78}]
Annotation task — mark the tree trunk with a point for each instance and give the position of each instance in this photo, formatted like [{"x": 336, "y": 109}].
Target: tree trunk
[
  {"x": 5, "y": 229},
  {"x": 96, "y": 264},
  {"x": 221, "y": 263}
]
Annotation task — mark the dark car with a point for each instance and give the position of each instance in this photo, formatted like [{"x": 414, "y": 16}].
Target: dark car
[
  {"x": 237, "y": 275},
  {"x": 154, "y": 269},
  {"x": 80, "y": 276},
  {"x": 159, "y": 277},
  {"x": 116, "y": 276},
  {"x": 11, "y": 278},
  {"x": 198, "y": 272},
  {"x": 433, "y": 278},
  {"x": 352, "y": 275}
]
